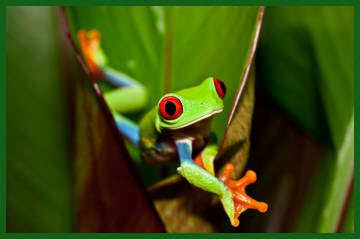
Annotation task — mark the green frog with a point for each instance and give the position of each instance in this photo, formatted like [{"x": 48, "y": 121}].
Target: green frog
[{"x": 176, "y": 129}]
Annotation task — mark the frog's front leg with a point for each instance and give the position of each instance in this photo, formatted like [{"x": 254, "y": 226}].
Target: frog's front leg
[
  {"x": 201, "y": 174},
  {"x": 128, "y": 96},
  {"x": 200, "y": 178}
]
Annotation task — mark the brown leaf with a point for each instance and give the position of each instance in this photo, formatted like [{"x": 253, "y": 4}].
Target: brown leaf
[
  {"x": 236, "y": 142},
  {"x": 110, "y": 196}
]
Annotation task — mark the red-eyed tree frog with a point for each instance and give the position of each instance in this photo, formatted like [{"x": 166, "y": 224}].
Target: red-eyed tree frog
[{"x": 177, "y": 128}]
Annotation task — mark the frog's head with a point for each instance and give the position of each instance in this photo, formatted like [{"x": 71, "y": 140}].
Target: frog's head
[{"x": 189, "y": 106}]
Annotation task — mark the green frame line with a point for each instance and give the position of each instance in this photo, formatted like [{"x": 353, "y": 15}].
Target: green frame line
[
  {"x": 179, "y": 235},
  {"x": 3, "y": 119},
  {"x": 356, "y": 114},
  {"x": 180, "y": 3},
  {"x": 3, "y": 4}
]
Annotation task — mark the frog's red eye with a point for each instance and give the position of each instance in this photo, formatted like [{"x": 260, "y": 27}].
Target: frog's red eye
[
  {"x": 170, "y": 107},
  {"x": 220, "y": 88}
]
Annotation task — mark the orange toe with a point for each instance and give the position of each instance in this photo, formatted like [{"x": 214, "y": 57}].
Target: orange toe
[
  {"x": 225, "y": 175},
  {"x": 251, "y": 176},
  {"x": 263, "y": 207},
  {"x": 242, "y": 201},
  {"x": 198, "y": 160},
  {"x": 89, "y": 43}
]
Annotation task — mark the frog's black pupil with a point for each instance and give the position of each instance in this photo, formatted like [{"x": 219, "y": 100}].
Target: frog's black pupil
[
  {"x": 170, "y": 108},
  {"x": 223, "y": 87}
]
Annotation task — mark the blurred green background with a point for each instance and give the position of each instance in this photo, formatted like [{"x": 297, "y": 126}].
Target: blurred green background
[
  {"x": 38, "y": 172},
  {"x": 304, "y": 92}
]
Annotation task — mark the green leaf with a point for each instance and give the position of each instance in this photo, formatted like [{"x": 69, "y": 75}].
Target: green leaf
[
  {"x": 207, "y": 43},
  {"x": 171, "y": 48},
  {"x": 38, "y": 171},
  {"x": 193, "y": 209},
  {"x": 162, "y": 47},
  {"x": 307, "y": 67}
]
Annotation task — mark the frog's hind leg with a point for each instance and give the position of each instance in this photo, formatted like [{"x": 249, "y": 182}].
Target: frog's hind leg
[
  {"x": 127, "y": 128},
  {"x": 128, "y": 96}
]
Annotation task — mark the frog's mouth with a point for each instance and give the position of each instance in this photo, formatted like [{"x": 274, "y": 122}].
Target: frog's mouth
[{"x": 199, "y": 119}]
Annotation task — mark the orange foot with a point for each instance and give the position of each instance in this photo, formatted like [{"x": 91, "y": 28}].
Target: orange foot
[
  {"x": 198, "y": 161},
  {"x": 90, "y": 43},
  {"x": 242, "y": 201}
]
